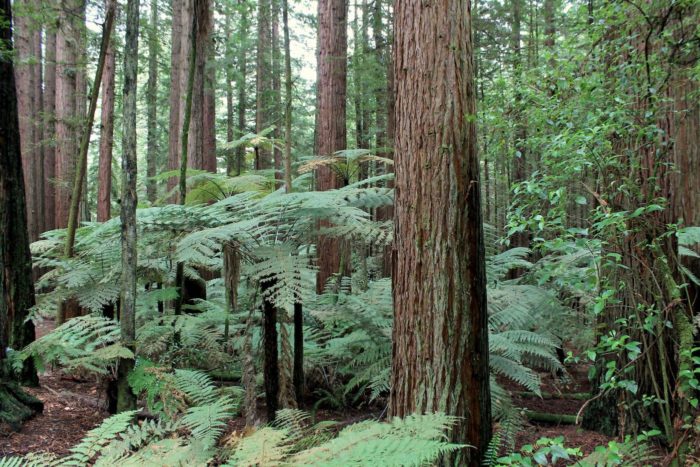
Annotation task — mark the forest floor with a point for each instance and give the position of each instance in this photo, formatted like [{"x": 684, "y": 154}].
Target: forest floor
[{"x": 72, "y": 406}]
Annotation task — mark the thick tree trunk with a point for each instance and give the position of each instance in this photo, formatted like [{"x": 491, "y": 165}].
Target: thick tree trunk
[
  {"x": 104, "y": 185},
  {"x": 201, "y": 144},
  {"x": 29, "y": 94},
  {"x": 152, "y": 105},
  {"x": 333, "y": 257},
  {"x": 16, "y": 283},
  {"x": 440, "y": 336},
  {"x": 647, "y": 280},
  {"x": 67, "y": 114},
  {"x": 126, "y": 400},
  {"x": 27, "y": 100}
]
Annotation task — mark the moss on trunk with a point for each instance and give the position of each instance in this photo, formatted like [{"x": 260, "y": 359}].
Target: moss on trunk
[{"x": 16, "y": 406}]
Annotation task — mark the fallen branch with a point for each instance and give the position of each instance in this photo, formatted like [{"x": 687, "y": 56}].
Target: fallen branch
[
  {"x": 553, "y": 418},
  {"x": 580, "y": 396}
]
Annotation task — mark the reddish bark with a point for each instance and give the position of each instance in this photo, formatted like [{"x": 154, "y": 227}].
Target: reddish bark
[
  {"x": 440, "y": 335},
  {"x": 104, "y": 189},
  {"x": 330, "y": 122}
]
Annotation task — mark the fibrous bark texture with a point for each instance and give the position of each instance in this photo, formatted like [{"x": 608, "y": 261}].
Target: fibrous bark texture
[
  {"x": 104, "y": 187},
  {"x": 331, "y": 133},
  {"x": 16, "y": 283},
  {"x": 440, "y": 335}
]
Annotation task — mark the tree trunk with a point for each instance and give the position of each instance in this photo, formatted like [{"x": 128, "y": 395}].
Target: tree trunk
[
  {"x": 658, "y": 165},
  {"x": 263, "y": 82},
  {"x": 440, "y": 335},
  {"x": 152, "y": 105},
  {"x": 49, "y": 108},
  {"x": 241, "y": 85},
  {"x": 298, "y": 366},
  {"x": 81, "y": 167},
  {"x": 228, "y": 57},
  {"x": 16, "y": 283},
  {"x": 104, "y": 188},
  {"x": 270, "y": 358},
  {"x": 276, "y": 91},
  {"x": 27, "y": 99},
  {"x": 67, "y": 114},
  {"x": 519, "y": 239},
  {"x": 201, "y": 146},
  {"x": 176, "y": 57},
  {"x": 333, "y": 257},
  {"x": 126, "y": 400}
]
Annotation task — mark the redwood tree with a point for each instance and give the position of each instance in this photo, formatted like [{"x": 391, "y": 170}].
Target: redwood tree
[
  {"x": 331, "y": 133},
  {"x": 16, "y": 284},
  {"x": 104, "y": 186},
  {"x": 440, "y": 335}
]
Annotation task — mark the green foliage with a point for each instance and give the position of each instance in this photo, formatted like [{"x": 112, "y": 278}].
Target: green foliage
[
  {"x": 545, "y": 451},
  {"x": 96, "y": 439},
  {"x": 415, "y": 440},
  {"x": 89, "y": 343}
]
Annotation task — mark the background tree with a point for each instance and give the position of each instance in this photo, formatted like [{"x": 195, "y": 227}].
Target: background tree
[
  {"x": 331, "y": 133},
  {"x": 104, "y": 190}
]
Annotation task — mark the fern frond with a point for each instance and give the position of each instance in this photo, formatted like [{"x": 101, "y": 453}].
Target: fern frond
[
  {"x": 414, "y": 440},
  {"x": 96, "y": 439}
]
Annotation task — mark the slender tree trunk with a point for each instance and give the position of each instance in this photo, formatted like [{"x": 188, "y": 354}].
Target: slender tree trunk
[
  {"x": 104, "y": 186},
  {"x": 81, "y": 168},
  {"x": 277, "y": 90},
  {"x": 271, "y": 373},
  {"x": 210, "y": 68},
  {"x": 228, "y": 56},
  {"x": 331, "y": 135},
  {"x": 298, "y": 370},
  {"x": 176, "y": 54},
  {"x": 440, "y": 353},
  {"x": 152, "y": 105},
  {"x": 384, "y": 118},
  {"x": 126, "y": 400},
  {"x": 16, "y": 283},
  {"x": 241, "y": 84},
  {"x": 263, "y": 81},
  {"x": 519, "y": 239},
  {"x": 180, "y": 279},
  {"x": 49, "y": 109}
]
